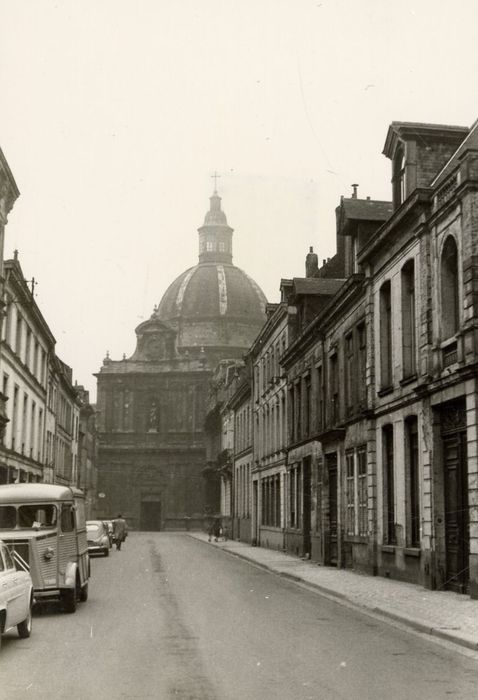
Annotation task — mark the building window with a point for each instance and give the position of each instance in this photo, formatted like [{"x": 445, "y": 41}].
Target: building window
[
  {"x": 32, "y": 429},
  {"x": 16, "y": 393},
  {"x": 350, "y": 372},
  {"x": 412, "y": 482},
  {"x": 386, "y": 335},
  {"x": 362, "y": 494},
  {"x": 18, "y": 335},
  {"x": 362, "y": 365},
  {"x": 36, "y": 353},
  {"x": 24, "y": 421},
  {"x": 307, "y": 405},
  {"x": 318, "y": 514},
  {"x": 8, "y": 324},
  {"x": 356, "y": 491},
  {"x": 388, "y": 485},
  {"x": 409, "y": 349},
  {"x": 320, "y": 398},
  {"x": 334, "y": 388},
  {"x": 350, "y": 493},
  {"x": 271, "y": 497},
  {"x": 449, "y": 289},
  {"x": 209, "y": 246},
  {"x": 298, "y": 410},
  {"x": 40, "y": 433},
  {"x": 398, "y": 178},
  {"x": 28, "y": 346},
  {"x": 294, "y": 497}
]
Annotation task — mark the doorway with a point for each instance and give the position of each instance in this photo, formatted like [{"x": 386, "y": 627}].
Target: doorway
[
  {"x": 457, "y": 527},
  {"x": 306, "y": 511},
  {"x": 331, "y": 530},
  {"x": 150, "y": 515}
]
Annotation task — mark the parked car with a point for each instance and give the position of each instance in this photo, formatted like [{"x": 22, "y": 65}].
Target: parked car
[
  {"x": 97, "y": 537},
  {"x": 16, "y": 596},
  {"x": 44, "y": 524},
  {"x": 110, "y": 530}
]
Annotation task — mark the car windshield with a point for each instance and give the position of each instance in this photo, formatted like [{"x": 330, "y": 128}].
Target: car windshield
[
  {"x": 94, "y": 528},
  {"x": 8, "y": 517},
  {"x": 38, "y": 515}
]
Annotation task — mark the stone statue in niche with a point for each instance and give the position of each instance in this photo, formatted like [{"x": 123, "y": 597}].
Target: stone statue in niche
[{"x": 153, "y": 418}]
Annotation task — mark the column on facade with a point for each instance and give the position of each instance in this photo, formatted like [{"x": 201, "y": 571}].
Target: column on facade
[{"x": 472, "y": 460}]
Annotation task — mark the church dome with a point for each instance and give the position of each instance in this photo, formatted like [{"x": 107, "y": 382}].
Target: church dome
[
  {"x": 213, "y": 290},
  {"x": 214, "y": 304}
]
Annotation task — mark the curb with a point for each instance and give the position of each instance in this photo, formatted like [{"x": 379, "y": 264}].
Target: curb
[{"x": 416, "y": 625}]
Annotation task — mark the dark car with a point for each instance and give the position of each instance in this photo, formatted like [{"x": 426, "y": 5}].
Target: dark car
[{"x": 98, "y": 538}]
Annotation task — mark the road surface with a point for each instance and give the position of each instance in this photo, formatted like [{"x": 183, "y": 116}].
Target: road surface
[{"x": 172, "y": 618}]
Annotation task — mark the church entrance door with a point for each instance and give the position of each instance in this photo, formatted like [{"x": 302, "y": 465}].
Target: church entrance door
[{"x": 150, "y": 514}]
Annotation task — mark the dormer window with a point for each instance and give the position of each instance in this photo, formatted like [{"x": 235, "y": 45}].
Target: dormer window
[{"x": 398, "y": 179}]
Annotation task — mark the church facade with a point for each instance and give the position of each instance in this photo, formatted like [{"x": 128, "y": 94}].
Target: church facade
[{"x": 151, "y": 406}]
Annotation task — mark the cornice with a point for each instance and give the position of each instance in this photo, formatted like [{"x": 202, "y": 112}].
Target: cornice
[{"x": 419, "y": 198}]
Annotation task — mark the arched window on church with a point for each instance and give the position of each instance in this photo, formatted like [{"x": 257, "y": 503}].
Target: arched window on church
[{"x": 449, "y": 289}]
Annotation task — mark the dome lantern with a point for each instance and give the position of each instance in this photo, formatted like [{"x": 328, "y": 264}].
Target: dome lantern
[{"x": 215, "y": 236}]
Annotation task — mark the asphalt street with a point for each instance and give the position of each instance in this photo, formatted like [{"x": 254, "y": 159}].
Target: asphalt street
[{"x": 170, "y": 617}]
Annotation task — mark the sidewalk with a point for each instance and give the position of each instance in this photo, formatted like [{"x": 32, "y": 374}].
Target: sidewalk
[{"x": 443, "y": 614}]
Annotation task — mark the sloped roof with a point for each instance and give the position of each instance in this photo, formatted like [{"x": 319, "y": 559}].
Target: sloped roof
[
  {"x": 420, "y": 129},
  {"x": 367, "y": 209},
  {"x": 317, "y": 285},
  {"x": 470, "y": 142}
]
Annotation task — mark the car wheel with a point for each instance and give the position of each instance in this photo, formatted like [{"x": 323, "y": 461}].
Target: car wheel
[
  {"x": 106, "y": 552},
  {"x": 84, "y": 593},
  {"x": 70, "y": 597},
  {"x": 25, "y": 628}
]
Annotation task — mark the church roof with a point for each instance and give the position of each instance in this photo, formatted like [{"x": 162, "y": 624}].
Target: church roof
[{"x": 213, "y": 290}]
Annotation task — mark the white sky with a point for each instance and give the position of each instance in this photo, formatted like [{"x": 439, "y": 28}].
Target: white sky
[{"x": 114, "y": 115}]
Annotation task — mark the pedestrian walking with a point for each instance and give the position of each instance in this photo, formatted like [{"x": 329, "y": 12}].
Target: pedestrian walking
[
  {"x": 120, "y": 530},
  {"x": 217, "y": 529}
]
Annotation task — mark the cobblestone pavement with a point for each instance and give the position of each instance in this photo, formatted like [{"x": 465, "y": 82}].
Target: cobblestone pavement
[{"x": 443, "y": 614}]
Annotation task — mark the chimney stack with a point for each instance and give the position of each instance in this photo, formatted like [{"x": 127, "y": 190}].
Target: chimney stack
[
  {"x": 355, "y": 187},
  {"x": 311, "y": 263}
]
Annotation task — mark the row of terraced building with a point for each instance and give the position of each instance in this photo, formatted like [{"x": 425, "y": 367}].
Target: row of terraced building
[{"x": 349, "y": 434}]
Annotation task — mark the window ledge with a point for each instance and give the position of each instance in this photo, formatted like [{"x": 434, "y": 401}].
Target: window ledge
[
  {"x": 409, "y": 379},
  {"x": 385, "y": 390},
  {"x": 388, "y": 548},
  {"x": 412, "y": 552},
  {"x": 356, "y": 539}
]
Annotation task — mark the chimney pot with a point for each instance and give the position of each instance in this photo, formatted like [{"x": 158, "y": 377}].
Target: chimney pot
[{"x": 355, "y": 188}]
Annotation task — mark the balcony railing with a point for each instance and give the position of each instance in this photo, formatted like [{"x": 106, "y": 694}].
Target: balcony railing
[{"x": 450, "y": 355}]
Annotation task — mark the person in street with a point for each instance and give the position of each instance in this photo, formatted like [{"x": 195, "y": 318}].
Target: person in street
[
  {"x": 217, "y": 529},
  {"x": 120, "y": 530},
  {"x": 210, "y": 531}
]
